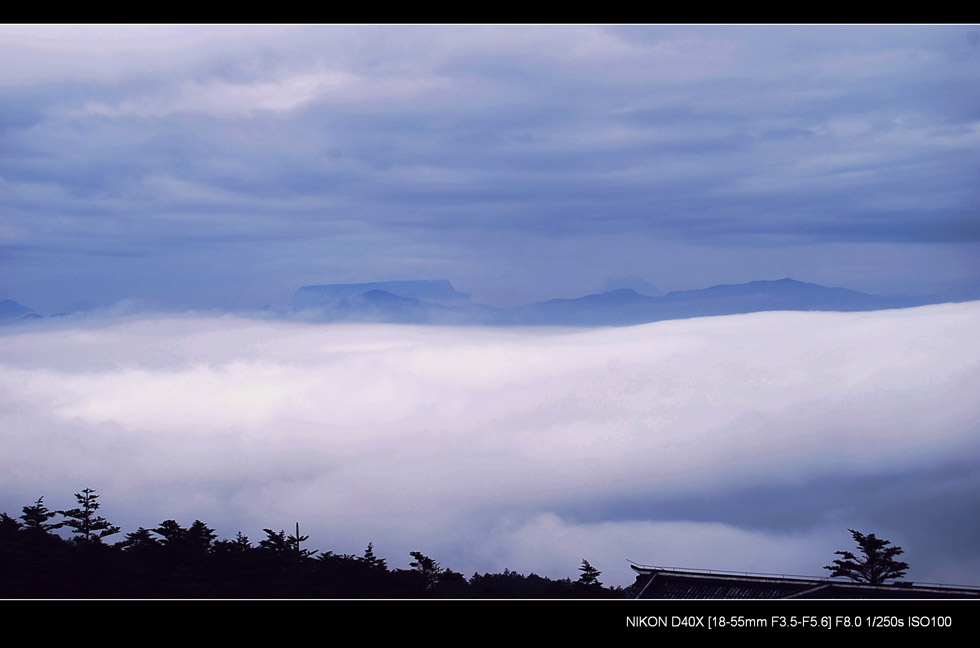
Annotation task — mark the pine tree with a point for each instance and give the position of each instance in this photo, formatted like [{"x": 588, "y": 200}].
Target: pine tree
[
  {"x": 200, "y": 538},
  {"x": 590, "y": 575},
  {"x": 8, "y": 525},
  {"x": 427, "y": 567},
  {"x": 84, "y": 523},
  {"x": 36, "y": 518},
  {"x": 372, "y": 560},
  {"x": 877, "y": 565},
  {"x": 139, "y": 540},
  {"x": 275, "y": 542},
  {"x": 9, "y": 530},
  {"x": 293, "y": 542},
  {"x": 239, "y": 545},
  {"x": 171, "y": 532}
]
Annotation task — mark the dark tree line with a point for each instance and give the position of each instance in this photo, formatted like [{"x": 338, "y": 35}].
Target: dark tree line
[{"x": 173, "y": 561}]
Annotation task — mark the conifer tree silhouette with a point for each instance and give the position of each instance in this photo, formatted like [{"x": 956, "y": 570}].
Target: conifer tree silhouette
[
  {"x": 877, "y": 565},
  {"x": 371, "y": 560},
  {"x": 240, "y": 545},
  {"x": 275, "y": 542},
  {"x": 427, "y": 567},
  {"x": 88, "y": 527},
  {"x": 200, "y": 537},
  {"x": 171, "y": 532},
  {"x": 9, "y": 527},
  {"x": 293, "y": 542},
  {"x": 36, "y": 518},
  {"x": 590, "y": 575},
  {"x": 139, "y": 540}
]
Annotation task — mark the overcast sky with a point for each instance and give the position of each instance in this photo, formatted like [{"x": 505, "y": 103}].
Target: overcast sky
[{"x": 198, "y": 166}]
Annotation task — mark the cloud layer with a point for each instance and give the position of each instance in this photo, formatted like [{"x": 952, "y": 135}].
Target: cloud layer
[
  {"x": 228, "y": 165},
  {"x": 742, "y": 442}
]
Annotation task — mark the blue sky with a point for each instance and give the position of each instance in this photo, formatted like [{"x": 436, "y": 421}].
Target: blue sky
[{"x": 225, "y": 166}]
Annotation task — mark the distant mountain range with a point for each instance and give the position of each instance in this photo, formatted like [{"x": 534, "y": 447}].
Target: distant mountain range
[
  {"x": 329, "y": 295},
  {"x": 11, "y": 311},
  {"x": 438, "y": 302}
]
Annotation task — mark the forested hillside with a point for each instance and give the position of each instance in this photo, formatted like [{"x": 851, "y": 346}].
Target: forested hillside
[{"x": 173, "y": 561}]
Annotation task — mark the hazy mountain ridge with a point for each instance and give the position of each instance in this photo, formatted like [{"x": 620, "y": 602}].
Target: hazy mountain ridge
[
  {"x": 11, "y": 311},
  {"x": 437, "y": 302},
  {"x": 435, "y": 290},
  {"x": 613, "y": 308}
]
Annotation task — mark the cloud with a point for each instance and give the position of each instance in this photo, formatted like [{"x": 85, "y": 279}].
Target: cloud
[
  {"x": 48, "y": 54},
  {"x": 224, "y": 166},
  {"x": 225, "y": 99},
  {"x": 476, "y": 445},
  {"x": 548, "y": 544},
  {"x": 352, "y": 153}
]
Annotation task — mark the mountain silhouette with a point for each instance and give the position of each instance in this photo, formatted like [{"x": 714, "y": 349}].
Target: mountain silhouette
[
  {"x": 11, "y": 311},
  {"x": 329, "y": 295},
  {"x": 437, "y": 302},
  {"x": 624, "y": 307}
]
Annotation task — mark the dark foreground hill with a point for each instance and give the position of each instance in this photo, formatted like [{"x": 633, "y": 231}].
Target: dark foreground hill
[{"x": 173, "y": 561}]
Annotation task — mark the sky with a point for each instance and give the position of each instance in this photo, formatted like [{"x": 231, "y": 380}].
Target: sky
[
  {"x": 222, "y": 167},
  {"x": 743, "y": 442}
]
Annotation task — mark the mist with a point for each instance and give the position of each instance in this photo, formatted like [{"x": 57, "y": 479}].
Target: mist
[{"x": 745, "y": 442}]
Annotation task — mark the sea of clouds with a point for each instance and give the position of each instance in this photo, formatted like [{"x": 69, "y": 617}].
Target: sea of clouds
[{"x": 747, "y": 442}]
